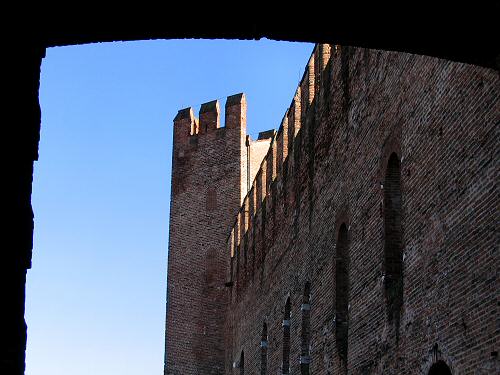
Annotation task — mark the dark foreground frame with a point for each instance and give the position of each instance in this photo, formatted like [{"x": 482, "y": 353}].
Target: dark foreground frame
[{"x": 449, "y": 35}]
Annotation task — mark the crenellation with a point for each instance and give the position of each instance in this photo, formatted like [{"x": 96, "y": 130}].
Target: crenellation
[
  {"x": 294, "y": 117},
  {"x": 246, "y": 212},
  {"x": 300, "y": 104},
  {"x": 256, "y": 152},
  {"x": 322, "y": 212},
  {"x": 183, "y": 123},
  {"x": 271, "y": 166},
  {"x": 236, "y": 109},
  {"x": 258, "y": 190},
  {"x": 231, "y": 242},
  {"x": 270, "y": 175},
  {"x": 284, "y": 137},
  {"x": 308, "y": 84},
  {"x": 206, "y": 196},
  {"x": 209, "y": 117},
  {"x": 263, "y": 180},
  {"x": 317, "y": 70},
  {"x": 237, "y": 230},
  {"x": 195, "y": 127},
  {"x": 324, "y": 55},
  {"x": 241, "y": 224},
  {"x": 252, "y": 203}
]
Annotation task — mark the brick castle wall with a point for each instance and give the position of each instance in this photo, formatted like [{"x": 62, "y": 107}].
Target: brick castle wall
[
  {"x": 256, "y": 151},
  {"x": 366, "y": 243},
  {"x": 327, "y": 167}
]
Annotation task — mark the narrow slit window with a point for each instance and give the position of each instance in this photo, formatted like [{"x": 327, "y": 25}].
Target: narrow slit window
[
  {"x": 285, "y": 367},
  {"x": 263, "y": 350},
  {"x": 342, "y": 293},
  {"x": 393, "y": 278},
  {"x": 305, "y": 358},
  {"x": 242, "y": 363}
]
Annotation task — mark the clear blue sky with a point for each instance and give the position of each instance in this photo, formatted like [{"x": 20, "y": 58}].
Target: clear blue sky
[{"x": 95, "y": 299}]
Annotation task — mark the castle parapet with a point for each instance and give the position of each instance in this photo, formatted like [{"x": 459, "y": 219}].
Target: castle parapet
[
  {"x": 251, "y": 219},
  {"x": 186, "y": 125},
  {"x": 209, "y": 117},
  {"x": 236, "y": 109}
]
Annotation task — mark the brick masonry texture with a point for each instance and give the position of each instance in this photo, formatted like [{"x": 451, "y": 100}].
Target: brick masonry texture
[
  {"x": 353, "y": 111},
  {"x": 256, "y": 150},
  {"x": 206, "y": 195}
]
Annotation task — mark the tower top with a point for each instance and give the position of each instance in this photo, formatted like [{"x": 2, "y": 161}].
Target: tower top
[{"x": 186, "y": 125}]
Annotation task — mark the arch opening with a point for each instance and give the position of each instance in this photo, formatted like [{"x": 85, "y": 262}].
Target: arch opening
[
  {"x": 439, "y": 368},
  {"x": 242, "y": 363},
  {"x": 263, "y": 350}
]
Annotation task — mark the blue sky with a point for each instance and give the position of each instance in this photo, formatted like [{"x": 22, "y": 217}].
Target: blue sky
[{"x": 95, "y": 299}]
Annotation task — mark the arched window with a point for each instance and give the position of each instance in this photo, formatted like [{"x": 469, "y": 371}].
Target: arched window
[
  {"x": 393, "y": 261},
  {"x": 305, "y": 358},
  {"x": 342, "y": 293},
  {"x": 242, "y": 363},
  {"x": 439, "y": 368},
  {"x": 263, "y": 350},
  {"x": 285, "y": 368}
]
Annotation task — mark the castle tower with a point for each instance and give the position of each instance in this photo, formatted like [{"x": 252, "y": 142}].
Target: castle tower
[{"x": 208, "y": 183}]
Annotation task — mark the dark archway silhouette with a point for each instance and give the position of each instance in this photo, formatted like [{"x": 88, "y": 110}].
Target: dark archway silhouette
[{"x": 439, "y": 368}]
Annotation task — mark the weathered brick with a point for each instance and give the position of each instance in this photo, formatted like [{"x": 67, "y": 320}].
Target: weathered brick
[{"x": 421, "y": 246}]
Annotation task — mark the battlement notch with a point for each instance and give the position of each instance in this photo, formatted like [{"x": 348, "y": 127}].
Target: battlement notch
[{"x": 280, "y": 143}]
